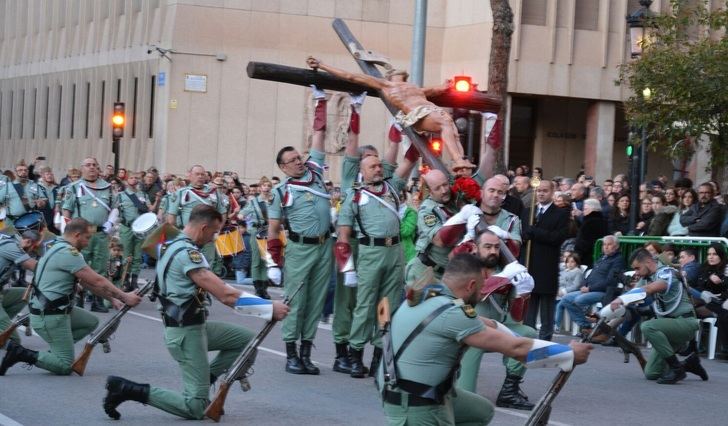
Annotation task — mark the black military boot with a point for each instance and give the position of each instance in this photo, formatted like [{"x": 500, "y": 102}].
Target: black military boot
[
  {"x": 692, "y": 365},
  {"x": 261, "y": 289},
  {"x": 309, "y": 366},
  {"x": 357, "y": 365},
  {"x": 293, "y": 362},
  {"x": 674, "y": 373},
  {"x": 98, "y": 305},
  {"x": 510, "y": 395},
  {"x": 119, "y": 390},
  {"x": 376, "y": 359},
  {"x": 341, "y": 363},
  {"x": 14, "y": 353}
]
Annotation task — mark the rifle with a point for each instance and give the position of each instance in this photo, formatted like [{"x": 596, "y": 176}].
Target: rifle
[
  {"x": 385, "y": 319},
  {"x": 239, "y": 370},
  {"x": 20, "y": 319},
  {"x": 103, "y": 333},
  {"x": 625, "y": 345},
  {"x": 541, "y": 412}
]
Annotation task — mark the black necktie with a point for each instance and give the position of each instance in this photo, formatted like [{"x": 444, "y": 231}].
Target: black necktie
[{"x": 540, "y": 213}]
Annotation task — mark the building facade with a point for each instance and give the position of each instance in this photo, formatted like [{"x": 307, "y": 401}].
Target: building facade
[{"x": 179, "y": 66}]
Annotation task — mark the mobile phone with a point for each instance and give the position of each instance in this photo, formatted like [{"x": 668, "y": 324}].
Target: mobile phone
[{"x": 42, "y": 157}]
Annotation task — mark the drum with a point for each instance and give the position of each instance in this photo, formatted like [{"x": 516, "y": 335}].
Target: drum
[
  {"x": 144, "y": 225},
  {"x": 31, "y": 220},
  {"x": 157, "y": 237},
  {"x": 229, "y": 242}
]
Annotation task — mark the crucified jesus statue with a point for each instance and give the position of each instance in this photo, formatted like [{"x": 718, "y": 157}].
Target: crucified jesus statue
[{"x": 414, "y": 109}]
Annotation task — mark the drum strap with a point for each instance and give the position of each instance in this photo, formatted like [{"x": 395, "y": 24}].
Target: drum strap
[
  {"x": 5, "y": 273},
  {"x": 46, "y": 303},
  {"x": 141, "y": 207}
]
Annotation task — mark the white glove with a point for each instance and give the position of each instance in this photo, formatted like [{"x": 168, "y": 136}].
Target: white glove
[
  {"x": 318, "y": 93},
  {"x": 523, "y": 282},
  {"x": 350, "y": 279},
  {"x": 357, "y": 99},
  {"x": 463, "y": 215},
  {"x": 108, "y": 227},
  {"x": 274, "y": 274},
  {"x": 511, "y": 270},
  {"x": 725, "y": 305},
  {"x": 473, "y": 221},
  {"x": 502, "y": 234},
  {"x": 707, "y": 296}
]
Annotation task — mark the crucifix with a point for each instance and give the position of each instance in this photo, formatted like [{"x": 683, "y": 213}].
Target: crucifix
[{"x": 417, "y": 110}]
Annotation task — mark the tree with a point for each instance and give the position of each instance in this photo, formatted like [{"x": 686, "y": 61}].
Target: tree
[
  {"x": 500, "y": 52},
  {"x": 685, "y": 68}
]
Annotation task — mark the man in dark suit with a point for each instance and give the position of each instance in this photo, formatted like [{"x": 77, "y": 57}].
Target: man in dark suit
[{"x": 549, "y": 230}]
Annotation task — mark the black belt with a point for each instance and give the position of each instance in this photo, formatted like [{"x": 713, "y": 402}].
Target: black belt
[
  {"x": 297, "y": 238},
  {"x": 196, "y": 319},
  {"x": 55, "y": 311},
  {"x": 379, "y": 242},
  {"x": 395, "y": 398},
  {"x": 431, "y": 263},
  {"x": 687, "y": 315}
]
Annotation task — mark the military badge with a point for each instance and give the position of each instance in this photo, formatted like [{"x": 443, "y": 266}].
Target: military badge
[
  {"x": 430, "y": 220},
  {"x": 469, "y": 311},
  {"x": 195, "y": 256},
  {"x": 73, "y": 251}
]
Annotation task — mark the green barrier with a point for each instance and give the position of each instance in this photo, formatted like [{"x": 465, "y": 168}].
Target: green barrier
[{"x": 628, "y": 244}]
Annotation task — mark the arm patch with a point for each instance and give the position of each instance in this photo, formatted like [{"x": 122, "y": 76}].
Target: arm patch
[{"x": 195, "y": 256}]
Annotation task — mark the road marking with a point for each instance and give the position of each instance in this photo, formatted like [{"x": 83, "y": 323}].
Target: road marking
[
  {"x": 144, "y": 316},
  {"x": 7, "y": 421}
]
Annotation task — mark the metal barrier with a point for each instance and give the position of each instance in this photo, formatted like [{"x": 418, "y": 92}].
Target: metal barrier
[{"x": 628, "y": 244}]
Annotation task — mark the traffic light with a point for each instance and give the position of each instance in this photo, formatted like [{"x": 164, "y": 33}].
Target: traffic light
[
  {"x": 118, "y": 120},
  {"x": 462, "y": 83},
  {"x": 630, "y": 150},
  {"x": 436, "y": 146}
]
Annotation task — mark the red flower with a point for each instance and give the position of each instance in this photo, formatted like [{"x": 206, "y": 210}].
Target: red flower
[{"x": 466, "y": 188}]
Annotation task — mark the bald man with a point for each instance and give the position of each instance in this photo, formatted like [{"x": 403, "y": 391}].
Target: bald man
[
  {"x": 433, "y": 242},
  {"x": 372, "y": 211}
]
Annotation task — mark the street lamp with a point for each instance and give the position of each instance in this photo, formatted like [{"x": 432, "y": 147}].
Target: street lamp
[{"x": 640, "y": 31}]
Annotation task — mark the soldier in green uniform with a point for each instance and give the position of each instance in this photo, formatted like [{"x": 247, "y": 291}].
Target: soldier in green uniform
[
  {"x": 184, "y": 278},
  {"x": 256, "y": 215},
  {"x": 11, "y": 204},
  {"x": 47, "y": 185},
  {"x": 132, "y": 203},
  {"x": 501, "y": 288},
  {"x": 14, "y": 254},
  {"x": 372, "y": 211},
  {"x": 435, "y": 241},
  {"x": 301, "y": 203},
  {"x": 91, "y": 198},
  {"x": 198, "y": 192},
  {"x": 675, "y": 325},
  {"x": 51, "y": 307},
  {"x": 429, "y": 336},
  {"x": 33, "y": 197}
]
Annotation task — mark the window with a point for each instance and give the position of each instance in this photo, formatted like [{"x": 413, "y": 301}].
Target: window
[
  {"x": 60, "y": 110},
  {"x": 73, "y": 109},
  {"x": 533, "y": 12},
  {"x": 88, "y": 104},
  {"x": 45, "y": 114},
  {"x": 101, "y": 113},
  {"x": 10, "y": 118},
  {"x": 586, "y": 15},
  {"x": 134, "y": 108},
  {"x": 32, "y": 118},
  {"x": 151, "y": 107},
  {"x": 22, "y": 114},
  {"x": 118, "y": 90}
]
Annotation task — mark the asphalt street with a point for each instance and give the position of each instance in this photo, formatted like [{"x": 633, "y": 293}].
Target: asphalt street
[{"x": 603, "y": 392}]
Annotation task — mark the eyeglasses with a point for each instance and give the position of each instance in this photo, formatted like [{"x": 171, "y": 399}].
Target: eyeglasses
[{"x": 293, "y": 160}]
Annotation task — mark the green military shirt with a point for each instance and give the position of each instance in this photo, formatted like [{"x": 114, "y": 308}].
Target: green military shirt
[
  {"x": 429, "y": 358},
  {"x": 186, "y": 199},
  {"x": 507, "y": 221},
  {"x": 56, "y": 269},
  {"x": 11, "y": 256},
  {"x": 256, "y": 213},
  {"x": 128, "y": 211},
  {"x": 379, "y": 218},
  {"x": 304, "y": 202},
  {"x": 676, "y": 294},
  {"x": 89, "y": 200},
  {"x": 164, "y": 204},
  {"x": 31, "y": 192},
  {"x": 49, "y": 193},
  {"x": 430, "y": 218},
  {"x": 184, "y": 256},
  {"x": 9, "y": 198},
  {"x": 487, "y": 309}
]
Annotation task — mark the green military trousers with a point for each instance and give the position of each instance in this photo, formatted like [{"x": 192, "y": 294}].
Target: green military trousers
[
  {"x": 189, "y": 347},
  {"x": 415, "y": 269},
  {"x": 380, "y": 273},
  {"x": 61, "y": 332},
  {"x": 258, "y": 265},
  {"x": 666, "y": 336},
  {"x": 96, "y": 253},
  {"x": 11, "y": 302},
  {"x": 467, "y": 408},
  {"x": 344, "y": 303},
  {"x": 310, "y": 264},
  {"x": 132, "y": 248},
  {"x": 470, "y": 363}
]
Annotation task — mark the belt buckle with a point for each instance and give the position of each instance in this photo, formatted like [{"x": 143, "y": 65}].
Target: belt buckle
[
  {"x": 388, "y": 241},
  {"x": 321, "y": 239}
]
